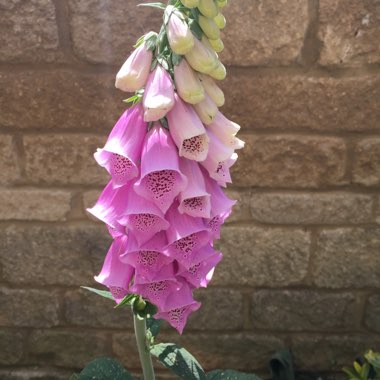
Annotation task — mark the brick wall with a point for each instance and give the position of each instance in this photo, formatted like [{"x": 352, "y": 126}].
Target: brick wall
[{"x": 302, "y": 250}]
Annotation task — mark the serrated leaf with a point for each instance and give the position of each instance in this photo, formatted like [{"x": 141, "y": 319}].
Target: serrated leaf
[
  {"x": 153, "y": 5},
  {"x": 220, "y": 374},
  {"x": 103, "y": 293},
  {"x": 104, "y": 369},
  {"x": 130, "y": 298},
  {"x": 179, "y": 360}
]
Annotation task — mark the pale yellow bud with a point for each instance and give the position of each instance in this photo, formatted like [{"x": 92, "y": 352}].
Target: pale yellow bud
[
  {"x": 221, "y": 3},
  {"x": 220, "y": 72},
  {"x": 209, "y": 27},
  {"x": 206, "y": 110},
  {"x": 201, "y": 58},
  {"x": 208, "y": 8},
  {"x": 212, "y": 89},
  {"x": 220, "y": 21},
  {"x": 217, "y": 45},
  {"x": 190, "y": 3},
  {"x": 206, "y": 43}
]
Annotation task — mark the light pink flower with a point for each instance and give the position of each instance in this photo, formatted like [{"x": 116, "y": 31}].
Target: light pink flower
[
  {"x": 206, "y": 110},
  {"x": 220, "y": 170},
  {"x": 158, "y": 97}
]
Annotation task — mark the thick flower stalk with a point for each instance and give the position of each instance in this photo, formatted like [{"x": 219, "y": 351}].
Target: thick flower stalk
[{"x": 168, "y": 157}]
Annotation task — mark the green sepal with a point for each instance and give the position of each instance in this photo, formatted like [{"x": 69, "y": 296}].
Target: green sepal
[
  {"x": 151, "y": 41},
  {"x": 176, "y": 59},
  {"x": 128, "y": 300},
  {"x": 220, "y": 374},
  {"x": 196, "y": 29},
  {"x": 139, "y": 42},
  {"x": 163, "y": 62},
  {"x": 153, "y": 5},
  {"x": 103, "y": 293},
  {"x": 178, "y": 360}
]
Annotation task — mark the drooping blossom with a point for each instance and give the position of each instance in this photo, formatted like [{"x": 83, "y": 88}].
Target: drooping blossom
[
  {"x": 122, "y": 151},
  {"x": 134, "y": 72},
  {"x": 158, "y": 95}
]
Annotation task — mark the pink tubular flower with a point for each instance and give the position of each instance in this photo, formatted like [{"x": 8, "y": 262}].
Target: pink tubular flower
[
  {"x": 217, "y": 149},
  {"x": 187, "y": 131},
  {"x": 201, "y": 270},
  {"x": 194, "y": 199},
  {"x": 161, "y": 179},
  {"x": 134, "y": 72},
  {"x": 142, "y": 217},
  {"x": 122, "y": 151},
  {"x": 206, "y": 110},
  {"x": 186, "y": 235},
  {"x": 178, "y": 308},
  {"x": 220, "y": 170},
  {"x": 114, "y": 274},
  {"x": 158, "y": 95}
]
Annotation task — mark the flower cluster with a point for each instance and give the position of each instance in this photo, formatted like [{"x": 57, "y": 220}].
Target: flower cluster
[{"x": 168, "y": 156}]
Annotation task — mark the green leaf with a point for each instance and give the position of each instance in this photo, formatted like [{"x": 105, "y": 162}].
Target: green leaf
[
  {"x": 220, "y": 374},
  {"x": 179, "y": 360},
  {"x": 176, "y": 59},
  {"x": 104, "y": 369},
  {"x": 103, "y": 293},
  {"x": 127, "y": 300},
  {"x": 153, "y": 326},
  {"x": 373, "y": 358},
  {"x": 153, "y": 5}
]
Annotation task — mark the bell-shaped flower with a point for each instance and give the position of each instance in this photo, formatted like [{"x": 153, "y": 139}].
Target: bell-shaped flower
[
  {"x": 220, "y": 170},
  {"x": 209, "y": 27},
  {"x": 110, "y": 206},
  {"x": 208, "y": 8},
  {"x": 147, "y": 259},
  {"x": 219, "y": 72},
  {"x": 121, "y": 153},
  {"x": 217, "y": 45},
  {"x": 201, "y": 58},
  {"x": 206, "y": 110},
  {"x": 188, "y": 85},
  {"x": 187, "y": 131},
  {"x": 134, "y": 72},
  {"x": 115, "y": 274},
  {"x": 201, "y": 270},
  {"x": 142, "y": 218},
  {"x": 221, "y": 206},
  {"x": 190, "y": 3},
  {"x": 217, "y": 149},
  {"x": 161, "y": 179},
  {"x": 194, "y": 199},
  {"x": 158, "y": 97},
  {"x": 212, "y": 90},
  {"x": 178, "y": 308},
  {"x": 220, "y": 20},
  {"x": 180, "y": 37},
  {"x": 186, "y": 235}
]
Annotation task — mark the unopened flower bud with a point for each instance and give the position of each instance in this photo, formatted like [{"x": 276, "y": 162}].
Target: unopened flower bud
[
  {"x": 219, "y": 73},
  {"x": 220, "y": 20},
  {"x": 189, "y": 87},
  {"x": 206, "y": 110},
  {"x": 201, "y": 58},
  {"x": 180, "y": 37},
  {"x": 190, "y": 3},
  {"x": 134, "y": 72},
  {"x": 208, "y": 8},
  {"x": 212, "y": 90},
  {"x": 221, "y": 3},
  {"x": 217, "y": 45},
  {"x": 209, "y": 27}
]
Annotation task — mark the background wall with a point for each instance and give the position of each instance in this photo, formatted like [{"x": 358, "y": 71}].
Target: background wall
[{"x": 302, "y": 250}]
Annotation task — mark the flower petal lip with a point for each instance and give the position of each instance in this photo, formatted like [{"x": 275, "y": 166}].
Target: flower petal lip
[{"x": 134, "y": 72}]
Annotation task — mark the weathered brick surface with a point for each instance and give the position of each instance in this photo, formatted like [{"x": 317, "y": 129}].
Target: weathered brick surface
[
  {"x": 9, "y": 166},
  {"x": 264, "y": 33},
  {"x": 302, "y": 310},
  {"x": 263, "y": 256},
  {"x": 260, "y": 100},
  {"x": 52, "y": 255},
  {"x": 241, "y": 208},
  {"x": 98, "y": 39},
  {"x": 36, "y": 308},
  {"x": 311, "y": 208},
  {"x": 350, "y": 32},
  {"x": 35, "y": 374},
  {"x": 12, "y": 343},
  {"x": 331, "y": 352},
  {"x": 83, "y": 308},
  {"x": 366, "y": 169},
  {"x": 59, "y": 99},
  {"x": 214, "y": 303},
  {"x": 28, "y": 31},
  {"x": 60, "y": 159},
  {"x": 347, "y": 257},
  {"x": 291, "y": 161},
  {"x": 69, "y": 349},
  {"x": 372, "y": 313},
  {"x": 34, "y": 204}
]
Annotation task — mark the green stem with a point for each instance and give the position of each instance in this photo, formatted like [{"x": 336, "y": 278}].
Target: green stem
[{"x": 145, "y": 357}]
